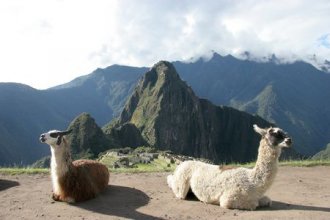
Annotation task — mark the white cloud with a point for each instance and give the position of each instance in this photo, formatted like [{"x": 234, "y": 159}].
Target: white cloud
[{"x": 45, "y": 43}]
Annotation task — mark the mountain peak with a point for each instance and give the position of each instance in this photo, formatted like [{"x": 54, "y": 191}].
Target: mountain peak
[
  {"x": 163, "y": 70},
  {"x": 150, "y": 93},
  {"x": 168, "y": 115}
]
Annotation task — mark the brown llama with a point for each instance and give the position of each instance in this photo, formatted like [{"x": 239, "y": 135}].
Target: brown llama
[{"x": 75, "y": 181}]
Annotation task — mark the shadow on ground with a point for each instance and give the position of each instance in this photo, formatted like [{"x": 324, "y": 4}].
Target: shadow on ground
[
  {"x": 286, "y": 206},
  {"x": 119, "y": 201},
  {"x": 191, "y": 196},
  {"x": 5, "y": 184},
  {"x": 276, "y": 206}
]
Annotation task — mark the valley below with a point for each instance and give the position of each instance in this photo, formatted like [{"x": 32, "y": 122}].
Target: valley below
[{"x": 297, "y": 193}]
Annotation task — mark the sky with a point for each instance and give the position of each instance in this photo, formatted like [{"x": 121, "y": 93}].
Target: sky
[{"x": 47, "y": 43}]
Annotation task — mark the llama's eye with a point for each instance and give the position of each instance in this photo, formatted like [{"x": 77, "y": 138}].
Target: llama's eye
[
  {"x": 53, "y": 135},
  {"x": 278, "y": 135}
]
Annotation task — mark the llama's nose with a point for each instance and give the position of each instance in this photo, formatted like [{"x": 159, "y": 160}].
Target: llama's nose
[
  {"x": 42, "y": 138},
  {"x": 288, "y": 141}
]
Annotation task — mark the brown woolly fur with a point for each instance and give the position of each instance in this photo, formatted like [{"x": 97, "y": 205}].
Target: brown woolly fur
[
  {"x": 86, "y": 176},
  {"x": 75, "y": 181}
]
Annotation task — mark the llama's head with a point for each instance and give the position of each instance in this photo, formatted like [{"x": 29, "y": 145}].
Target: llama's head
[
  {"x": 53, "y": 137},
  {"x": 275, "y": 137}
]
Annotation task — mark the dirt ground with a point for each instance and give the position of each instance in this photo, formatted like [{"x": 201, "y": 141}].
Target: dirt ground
[{"x": 298, "y": 193}]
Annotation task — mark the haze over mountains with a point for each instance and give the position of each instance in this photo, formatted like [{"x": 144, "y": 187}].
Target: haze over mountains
[
  {"x": 26, "y": 112},
  {"x": 294, "y": 96}
]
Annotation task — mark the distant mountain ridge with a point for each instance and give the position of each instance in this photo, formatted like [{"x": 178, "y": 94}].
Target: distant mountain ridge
[
  {"x": 26, "y": 112},
  {"x": 106, "y": 90},
  {"x": 294, "y": 96}
]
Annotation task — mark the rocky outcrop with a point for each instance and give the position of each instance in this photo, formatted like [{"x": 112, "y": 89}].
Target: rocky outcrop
[
  {"x": 169, "y": 116},
  {"x": 126, "y": 134},
  {"x": 87, "y": 139}
]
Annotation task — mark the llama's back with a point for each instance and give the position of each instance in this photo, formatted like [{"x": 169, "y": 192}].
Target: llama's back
[
  {"x": 184, "y": 172},
  {"x": 187, "y": 168}
]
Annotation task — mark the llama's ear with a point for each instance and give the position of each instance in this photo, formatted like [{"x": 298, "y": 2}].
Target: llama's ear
[
  {"x": 261, "y": 131},
  {"x": 65, "y": 132}
]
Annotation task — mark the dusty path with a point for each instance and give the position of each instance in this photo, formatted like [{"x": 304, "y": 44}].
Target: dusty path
[{"x": 298, "y": 193}]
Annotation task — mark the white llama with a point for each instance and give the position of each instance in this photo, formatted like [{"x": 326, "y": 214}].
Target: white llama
[
  {"x": 233, "y": 188},
  {"x": 75, "y": 181}
]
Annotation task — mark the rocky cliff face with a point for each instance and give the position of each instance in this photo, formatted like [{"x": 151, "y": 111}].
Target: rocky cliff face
[{"x": 168, "y": 115}]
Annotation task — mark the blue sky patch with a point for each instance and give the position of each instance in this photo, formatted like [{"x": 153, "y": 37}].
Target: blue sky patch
[{"x": 324, "y": 41}]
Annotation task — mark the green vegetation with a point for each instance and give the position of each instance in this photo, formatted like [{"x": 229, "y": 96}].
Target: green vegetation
[
  {"x": 291, "y": 163},
  {"x": 23, "y": 170},
  {"x": 305, "y": 163},
  {"x": 158, "y": 165},
  {"x": 42, "y": 163},
  {"x": 323, "y": 155}
]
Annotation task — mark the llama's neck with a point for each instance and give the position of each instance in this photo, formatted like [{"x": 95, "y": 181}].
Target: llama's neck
[
  {"x": 61, "y": 161},
  {"x": 266, "y": 166}
]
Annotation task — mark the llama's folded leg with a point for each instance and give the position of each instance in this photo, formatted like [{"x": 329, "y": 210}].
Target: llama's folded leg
[
  {"x": 56, "y": 197},
  {"x": 180, "y": 187},
  {"x": 265, "y": 202},
  {"x": 227, "y": 202},
  {"x": 232, "y": 202}
]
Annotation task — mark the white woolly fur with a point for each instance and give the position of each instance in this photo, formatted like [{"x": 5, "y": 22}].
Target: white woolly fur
[{"x": 233, "y": 188}]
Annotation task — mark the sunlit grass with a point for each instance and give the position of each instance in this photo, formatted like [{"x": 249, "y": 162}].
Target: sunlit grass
[
  {"x": 20, "y": 170},
  {"x": 160, "y": 165},
  {"x": 305, "y": 163},
  {"x": 291, "y": 163}
]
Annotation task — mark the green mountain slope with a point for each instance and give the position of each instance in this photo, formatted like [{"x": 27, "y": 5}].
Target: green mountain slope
[{"x": 323, "y": 154}]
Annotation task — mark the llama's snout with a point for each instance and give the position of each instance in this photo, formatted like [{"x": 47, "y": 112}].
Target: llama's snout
[
  {"x": 288, "y": 141},
  {"x": 42, "y": 138}
]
